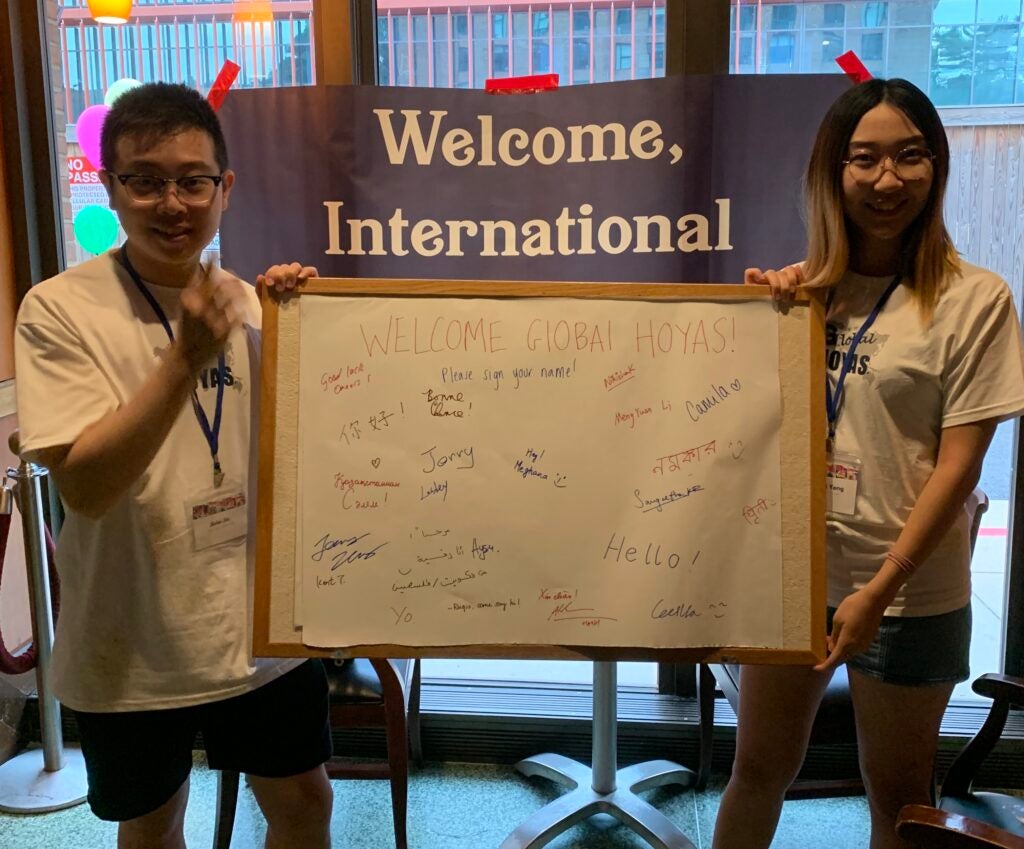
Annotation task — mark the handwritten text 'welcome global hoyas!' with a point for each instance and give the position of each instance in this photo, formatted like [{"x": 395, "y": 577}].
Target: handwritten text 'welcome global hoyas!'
[
  {"x": 448, "y": 335},
  {"x": 415, "y": 140}
]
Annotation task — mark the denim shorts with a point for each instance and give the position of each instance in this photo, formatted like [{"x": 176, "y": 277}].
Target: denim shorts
[{"x": 918, "y": 651}]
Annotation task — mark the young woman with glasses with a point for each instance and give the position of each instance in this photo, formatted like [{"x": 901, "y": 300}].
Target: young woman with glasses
[{"x": 924, "y": 359}]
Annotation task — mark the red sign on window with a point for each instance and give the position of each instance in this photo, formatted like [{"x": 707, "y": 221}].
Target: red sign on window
[{"x": 81, "y": 173}]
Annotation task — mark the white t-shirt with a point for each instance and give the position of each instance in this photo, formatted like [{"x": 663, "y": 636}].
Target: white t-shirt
[
  {"x": 908, "y": 382},
  {"x": 146, "y": 621}
]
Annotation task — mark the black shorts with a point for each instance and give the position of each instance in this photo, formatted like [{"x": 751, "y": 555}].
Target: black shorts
[{"x": 136, "y": 761}]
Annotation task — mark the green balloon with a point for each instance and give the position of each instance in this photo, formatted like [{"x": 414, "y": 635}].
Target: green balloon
[
  {"x": 95, "y": 228},
  {"x": 118, "y": 88}
]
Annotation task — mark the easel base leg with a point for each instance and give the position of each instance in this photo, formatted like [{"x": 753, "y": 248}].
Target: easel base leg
[
  {"x": 557, "y": 768},
  {"x": 27, "y": 788},
  {"x": 583, "y": 802}
]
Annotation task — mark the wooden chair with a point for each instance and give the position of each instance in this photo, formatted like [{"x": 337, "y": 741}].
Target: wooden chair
[
  {"x": 924, "y": 827},
  {"x": 963, "y": 814},
  {"x": 834, "y": 724},
  {"x": 364, "y": 693},
  {"x": 957, "y": 795}
]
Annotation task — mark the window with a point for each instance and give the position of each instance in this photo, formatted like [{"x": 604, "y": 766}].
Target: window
[
  {"x": 909, "y": 54},
  {"x": 952, "y": 63},
  {"x": 581, "y": 46},
  {"x": 874, "y": 14},
  {"x": 954, "y": 12},
  {"x": 499, "y": 26},
  {"x": 420, "y": 51},
  {"x": 998, "y": 11},
  {"x": 995, "y": 63},
  {"x": 603, "y": 45},
  {"x": 659, "y": 42},
  {"x": 623, "y": 44},
  {"x": 912, "y": 12},
  {"x": 643, "y": 43},
  {"x": 481, "y": 71},
  {"x": 460, "y": 57},
  {"x": 745, "y": 58},
  {"x": 580, "y": 60},
  {"x": 560, "y": 45},
  {"x": 782, "y": 17},
  {"x": 384, "y": 54},
  {"x": 439, "y": 42},
  {"x": 623, "y": 57},
  {"x": 400, "y": 42},
  {"x": 872, "y": 46},
  {"x": 499, "y": 60},
  {"x": 541, "y": 23},
  {"x": 499, "y": 45},
  {"x": 175, "y": 47},
  {"x": 541, "y": 58},
  {"x": 835, "y": 15},
  {"x": 954, "y": 49},
  {"x": 821, "y": 47},
  {"x": 520, "y": 44},
  {"x": 781, "y": 52},
  {"x": 577, "y": 40}
]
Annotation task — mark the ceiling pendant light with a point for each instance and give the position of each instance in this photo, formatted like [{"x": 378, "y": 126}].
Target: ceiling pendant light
[{"x": 110, "y": 11}]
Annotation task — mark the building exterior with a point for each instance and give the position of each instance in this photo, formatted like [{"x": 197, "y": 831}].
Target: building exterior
[
  {"x": 184, "y": 42},
  {"x": 962, "y": 52},
  {"x": 460, "y": 45}
]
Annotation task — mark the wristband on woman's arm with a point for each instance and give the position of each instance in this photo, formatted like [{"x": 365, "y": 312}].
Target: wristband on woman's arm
[{"x": 904, "y": 564}]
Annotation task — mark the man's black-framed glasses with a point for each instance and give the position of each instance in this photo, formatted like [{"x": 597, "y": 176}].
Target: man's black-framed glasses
[{"x": 193, "y": 190}]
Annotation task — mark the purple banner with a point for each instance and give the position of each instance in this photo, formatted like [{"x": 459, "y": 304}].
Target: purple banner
[{"x": 684, "y": 179}]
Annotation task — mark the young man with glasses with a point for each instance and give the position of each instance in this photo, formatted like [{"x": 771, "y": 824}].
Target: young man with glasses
[{"x": 137, "y": 387}]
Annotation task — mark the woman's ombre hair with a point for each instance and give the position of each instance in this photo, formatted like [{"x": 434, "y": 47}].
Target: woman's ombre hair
[{"x": 928, "y": 252}]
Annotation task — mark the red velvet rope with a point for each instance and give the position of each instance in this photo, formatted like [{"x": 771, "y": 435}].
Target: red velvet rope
[{"x": 16, "y": 664}]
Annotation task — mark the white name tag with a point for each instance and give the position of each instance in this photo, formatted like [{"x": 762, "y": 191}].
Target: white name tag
[
  {"x": 218, "y": 516},
  {"x": 842, "y": 475}
]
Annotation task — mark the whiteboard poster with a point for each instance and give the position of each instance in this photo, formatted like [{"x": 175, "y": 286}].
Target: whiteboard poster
[{"x": 538, "y": 471}]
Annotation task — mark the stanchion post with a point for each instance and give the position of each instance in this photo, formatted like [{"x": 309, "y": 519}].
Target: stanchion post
[
  {"x": 28, "y": 493},
  {"x": 53, "y": 778}
]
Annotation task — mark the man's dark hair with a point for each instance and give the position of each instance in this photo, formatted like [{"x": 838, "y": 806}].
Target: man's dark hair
[{"x": 156, "y": 111}]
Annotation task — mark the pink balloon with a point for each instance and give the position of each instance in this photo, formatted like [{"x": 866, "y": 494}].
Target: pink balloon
[{"x": 88, "y": 129}]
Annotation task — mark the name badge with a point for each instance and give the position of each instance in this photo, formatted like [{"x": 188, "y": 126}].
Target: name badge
[
  {"x": 218, "y": 516},
  {"x": 842, "y": 475}
]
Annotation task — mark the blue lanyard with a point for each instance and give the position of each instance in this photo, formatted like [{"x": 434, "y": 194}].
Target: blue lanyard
[
  {"x": 834, "y": 402},
  {"x": 212, "y": 434}
]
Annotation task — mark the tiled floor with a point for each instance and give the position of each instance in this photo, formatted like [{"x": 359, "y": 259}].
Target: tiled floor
[{"x": 451, "y": 806}]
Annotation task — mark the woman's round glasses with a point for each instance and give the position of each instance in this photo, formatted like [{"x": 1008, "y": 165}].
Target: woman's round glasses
[
  {"x": 194, "y": 190},
  {"x": 910, "y": 164}
]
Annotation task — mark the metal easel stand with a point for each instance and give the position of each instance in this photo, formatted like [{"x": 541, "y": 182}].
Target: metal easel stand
[
  {"x": 597, "y": 791},
  {"x": 52, "y": 777}
]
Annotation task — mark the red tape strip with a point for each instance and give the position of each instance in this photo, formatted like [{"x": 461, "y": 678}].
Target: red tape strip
[
  {"x": 221, "y": 85},
  {"x": 521, "y": 85},
  {"x": 854, "y": 68}
]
